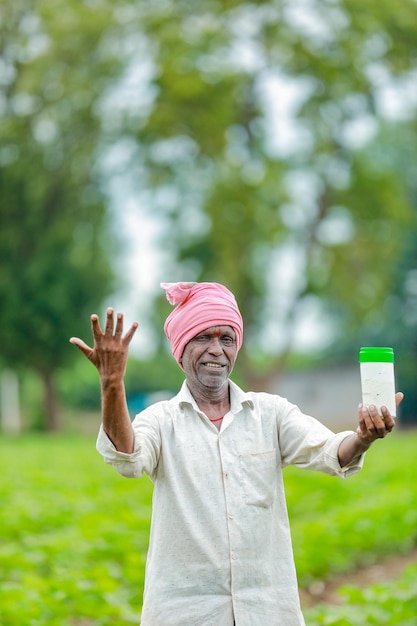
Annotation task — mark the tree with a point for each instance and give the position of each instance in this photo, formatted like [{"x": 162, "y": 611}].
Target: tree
[
  {"x": 395, "y": 323},
  {"x": 236, "y": 192},
  {"x": 246, "y": 123},
  {"x": 55, "y": 244}
]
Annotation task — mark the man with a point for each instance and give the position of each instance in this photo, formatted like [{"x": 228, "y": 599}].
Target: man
[{"x": 220, "y": 549}]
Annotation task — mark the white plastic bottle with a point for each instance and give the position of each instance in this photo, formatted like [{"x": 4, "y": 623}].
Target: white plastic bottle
[{"x": 377, "y": 378}]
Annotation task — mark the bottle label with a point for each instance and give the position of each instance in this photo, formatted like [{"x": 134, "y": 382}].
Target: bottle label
[{"x": 378, "y": 385}]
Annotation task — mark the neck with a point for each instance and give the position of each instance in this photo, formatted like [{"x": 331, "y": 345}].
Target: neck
[{"x": 212, "y": 402}]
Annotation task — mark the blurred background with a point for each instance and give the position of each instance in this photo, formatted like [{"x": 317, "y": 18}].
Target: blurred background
[{"x": 269, "y": 145}]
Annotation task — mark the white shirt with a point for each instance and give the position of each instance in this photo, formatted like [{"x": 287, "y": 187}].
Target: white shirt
[{"x": 220, "y": 548}]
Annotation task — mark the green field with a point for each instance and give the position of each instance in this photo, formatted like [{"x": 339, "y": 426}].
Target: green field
[{"x": 74, "y": 533}]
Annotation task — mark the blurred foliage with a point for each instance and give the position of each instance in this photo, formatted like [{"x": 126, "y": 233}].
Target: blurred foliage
[
  {"x": 361, "y": 510},
  {"x": 61, "y": 561},
  {"x": 143, "y": 377},
  {"x": 55, "y": 247},
  {"x": 233, "y": 196},
  {"x": 393, "y": 603},
  {"x": 394, "y": 323},
  {"x": 259, "y": 133},
  {"x": 339, "y": 194}
]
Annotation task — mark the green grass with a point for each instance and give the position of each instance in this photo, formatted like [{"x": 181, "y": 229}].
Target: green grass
[
  {"x": 393, "y": 603},
  {"x": 74, "y": 533},
  {"x": 338, "y": 525},
  {"x": 73, "y": 536}
]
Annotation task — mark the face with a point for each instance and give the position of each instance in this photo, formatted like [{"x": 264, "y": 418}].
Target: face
[{"x": 208, "y": 358}]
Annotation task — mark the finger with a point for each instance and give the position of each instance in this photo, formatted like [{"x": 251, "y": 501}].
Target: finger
[
  {"x": 109, "y": 321},
  {"x": 377, "y": 424},
  {"x": 366, "y": 428},
  {"x": 81, "y": 345},
  {"x": 131, "y": 332},
  {"x": 95, "y": 325},
  {"x": 363, "y": 417},
  {"x": 389, "y": 420},
  {"x": 399, "y": 396},
  {"x": 368, "y": 423},
  {"x": 119, "y": 325}
]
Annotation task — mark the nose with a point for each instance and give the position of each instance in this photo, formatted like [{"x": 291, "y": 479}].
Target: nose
[{"x": 215, "y": 347}]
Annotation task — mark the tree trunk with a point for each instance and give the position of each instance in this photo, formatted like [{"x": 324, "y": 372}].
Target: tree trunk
[
  {"x": 10, "y": 408},
  {"x": 52, "y": 414}
]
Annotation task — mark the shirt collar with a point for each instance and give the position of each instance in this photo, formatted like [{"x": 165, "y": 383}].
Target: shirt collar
[{"x": 238, "y": 398}]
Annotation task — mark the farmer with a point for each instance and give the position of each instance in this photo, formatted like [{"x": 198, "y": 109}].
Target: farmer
[{"x": 220, "y": 549}]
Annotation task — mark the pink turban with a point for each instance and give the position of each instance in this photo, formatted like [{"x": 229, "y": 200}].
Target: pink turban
[{"x": 200, "y": 306}]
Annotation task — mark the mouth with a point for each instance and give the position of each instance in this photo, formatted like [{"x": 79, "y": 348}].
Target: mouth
[{"x": 213, "y": 365}]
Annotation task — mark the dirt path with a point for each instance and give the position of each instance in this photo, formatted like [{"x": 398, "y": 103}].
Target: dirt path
[{"x": 389, "y": 569}]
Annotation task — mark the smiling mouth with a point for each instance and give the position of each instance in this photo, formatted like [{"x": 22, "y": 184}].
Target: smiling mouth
[{"x": 215, "y": 366}]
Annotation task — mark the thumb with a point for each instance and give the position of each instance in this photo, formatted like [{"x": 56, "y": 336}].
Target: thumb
[{"x": 81, "y": 345}]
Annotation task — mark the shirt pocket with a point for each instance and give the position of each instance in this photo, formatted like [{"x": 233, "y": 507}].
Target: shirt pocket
[{"x": 259, "y": 472}]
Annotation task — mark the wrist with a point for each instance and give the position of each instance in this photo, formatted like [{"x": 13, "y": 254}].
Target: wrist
[
  {"x": 111, "y": 383},
  {"x": 363, "y": 443}
]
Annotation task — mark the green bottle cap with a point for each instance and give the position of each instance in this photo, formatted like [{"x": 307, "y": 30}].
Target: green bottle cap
[{"x": 376, "y": 355}]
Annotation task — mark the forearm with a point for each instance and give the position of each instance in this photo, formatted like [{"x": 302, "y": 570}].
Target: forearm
[
  {"x": 115, "y": 416},
  {"x": 350, "y": 449}
]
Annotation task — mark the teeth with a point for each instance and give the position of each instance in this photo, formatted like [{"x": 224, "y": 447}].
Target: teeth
[{"x": 216, "y": 365}]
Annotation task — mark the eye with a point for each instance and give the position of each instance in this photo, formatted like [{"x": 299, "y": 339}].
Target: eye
[
  {"x": 200, "y": 338},
  {"x": 229, "y": 341}
]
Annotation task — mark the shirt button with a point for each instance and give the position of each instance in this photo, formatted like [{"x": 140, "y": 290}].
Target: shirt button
[
  {"x": 230, "y": 517},
  {"x": 234, "y": 557},
  {"x": 225, "y": 475}
]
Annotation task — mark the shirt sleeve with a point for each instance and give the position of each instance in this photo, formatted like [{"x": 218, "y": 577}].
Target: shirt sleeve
[
  {"x": 145, "y": 455},
  {"x": 307, "y": 443}
]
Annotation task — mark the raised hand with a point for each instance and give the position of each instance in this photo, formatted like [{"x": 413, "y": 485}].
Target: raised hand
[
  {"x": 109, "y": 355},
  {"x": 110, "y": 350}
]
